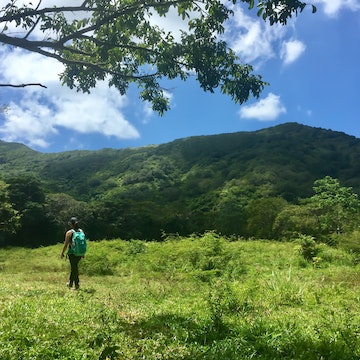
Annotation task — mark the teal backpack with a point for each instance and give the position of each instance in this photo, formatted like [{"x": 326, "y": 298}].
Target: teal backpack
[{"x": 78, "y": 243}]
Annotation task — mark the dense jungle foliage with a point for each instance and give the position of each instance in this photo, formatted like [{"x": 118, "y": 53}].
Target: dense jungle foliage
[{"x": 250, "y": 184}]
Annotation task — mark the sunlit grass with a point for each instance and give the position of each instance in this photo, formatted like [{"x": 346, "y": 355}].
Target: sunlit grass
[{"x": 195, "y": 298}]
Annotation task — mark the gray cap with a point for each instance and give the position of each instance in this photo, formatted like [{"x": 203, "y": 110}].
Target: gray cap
[{"x": 74, "y": 220}]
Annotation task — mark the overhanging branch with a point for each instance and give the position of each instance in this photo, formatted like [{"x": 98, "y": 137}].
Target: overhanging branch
[
  {"x": 35, "y": 12},
  {"x": 23, "y": 85}
]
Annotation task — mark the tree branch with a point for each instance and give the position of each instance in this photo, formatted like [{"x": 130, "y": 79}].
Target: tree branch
[
  {"x": 116, "y": 14},
  {"x": 36, "y": 46},
  {"x": 33, "y": 12},
  {"x": 23, "y": 85},
  {"x": 32, "y": 28},
  {"x": 35, "y": 23}
]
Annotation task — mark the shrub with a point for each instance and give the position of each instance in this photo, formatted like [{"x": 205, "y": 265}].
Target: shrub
[
  {"x": 97, "y": 264},
  {"x": 308, "y": 247},
  {"x": 220, "y": 301},
  {"x": 350, "y": 241},
  {"x": 134, "y": 247}
]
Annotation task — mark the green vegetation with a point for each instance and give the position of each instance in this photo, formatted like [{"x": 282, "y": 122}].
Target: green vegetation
[
  {"x": 274, "y": 183},
  {"x": 116, "y": 42},
  {"x": 200, "y": 297}
]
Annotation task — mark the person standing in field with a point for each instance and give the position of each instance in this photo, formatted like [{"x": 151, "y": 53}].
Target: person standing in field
[{"x": 75, "y": 244}]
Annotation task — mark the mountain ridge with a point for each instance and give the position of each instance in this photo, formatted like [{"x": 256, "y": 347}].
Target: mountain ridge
[
  {"x": 271, "y": 130},
  {"x": 287, "y": 147},
  {"x": 184, "y": 186}
]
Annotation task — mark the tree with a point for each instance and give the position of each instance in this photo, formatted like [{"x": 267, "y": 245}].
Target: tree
[
  {"x": 28, "y": 198},
  {"x": 118, "y": 41},
  {"x": 24, "y": 189},
  {"x": 260, "y": 216},
  {"x": 295, "y": 220},
  {"x": 334, "y": 205},
  {"x": 9, "y": 217},
  {"x": 60, "y": 208}
]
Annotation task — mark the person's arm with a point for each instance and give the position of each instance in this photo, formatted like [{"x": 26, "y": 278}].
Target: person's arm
[{"x": 68, "y": 237}]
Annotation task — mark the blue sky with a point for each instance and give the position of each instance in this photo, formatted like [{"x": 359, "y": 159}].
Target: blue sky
[{"x": 312, "y": 65}]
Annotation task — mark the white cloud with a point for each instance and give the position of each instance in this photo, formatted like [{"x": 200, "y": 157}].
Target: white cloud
[
  {"x": 148, "y": 112},
  {"x": 251, "y": 38},
  {"x": 36, "y": 33},
  {"x": 332, "y": 7},
  {"x": 291, "y": 51},
  {"x": 40, "y": 113},
  {"x": 99, "y": 112},
  {"x": 172, "y": 22},
  {"x": 266, "y": 109},
  {"x": 24, "y": 122},
  {"x": 23, "y": 67}
]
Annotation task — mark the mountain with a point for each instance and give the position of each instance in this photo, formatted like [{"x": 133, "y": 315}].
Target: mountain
[
  {"x": 293, "y": 155},
  {"x": 190, "y": 177}
]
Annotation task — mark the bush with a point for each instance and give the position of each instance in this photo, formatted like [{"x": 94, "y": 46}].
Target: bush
[
  {"x": 97, "y": 264},
  {"x": 221, "y": 301},
  {"x": 308, "y": 247},
  {"x": 350, "y": 241},
  {"x": 134, "y": 247}
]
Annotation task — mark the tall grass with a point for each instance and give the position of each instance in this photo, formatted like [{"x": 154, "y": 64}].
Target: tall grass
[{"x": 201, "y": 297}]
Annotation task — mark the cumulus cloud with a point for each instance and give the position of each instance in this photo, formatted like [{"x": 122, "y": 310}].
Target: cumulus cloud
[
  {"x": 291, "y": 51},
  {"x": 24, "y": 122},
  {"x": 255, "y": 41},
  {"x": 36, "y": 113},
  {"x": 24, "y": 67},
  {"x": 266, "y": 109},
  {"x": 332, "y": 7},
  {"x": 251, "y": 38},
  {"x": 39, "y": 113}
]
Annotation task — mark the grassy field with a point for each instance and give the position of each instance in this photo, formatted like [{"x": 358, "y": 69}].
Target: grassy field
[{"x": 191, "y": 298}]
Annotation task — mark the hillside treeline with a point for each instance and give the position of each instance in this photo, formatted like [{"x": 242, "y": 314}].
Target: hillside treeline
[{"x": 272, "y": 183}]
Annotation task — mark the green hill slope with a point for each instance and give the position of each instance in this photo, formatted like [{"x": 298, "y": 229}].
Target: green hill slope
[
  {"x": 177, "y": 185},
  {"x": 295, "y": 155}
]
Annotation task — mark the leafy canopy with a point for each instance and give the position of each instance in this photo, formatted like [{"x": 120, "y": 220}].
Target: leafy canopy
[
  {"x": 9, "y": 217},
  {"x": 118, "y": 41},
  {"x": 335, "y": 205}
]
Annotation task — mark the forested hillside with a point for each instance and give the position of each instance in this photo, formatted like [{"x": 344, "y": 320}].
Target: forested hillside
[{"x": 222, "y": 182}]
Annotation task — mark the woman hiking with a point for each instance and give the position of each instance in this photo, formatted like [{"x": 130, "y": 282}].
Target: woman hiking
[{"x": 75, "y": 243}]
